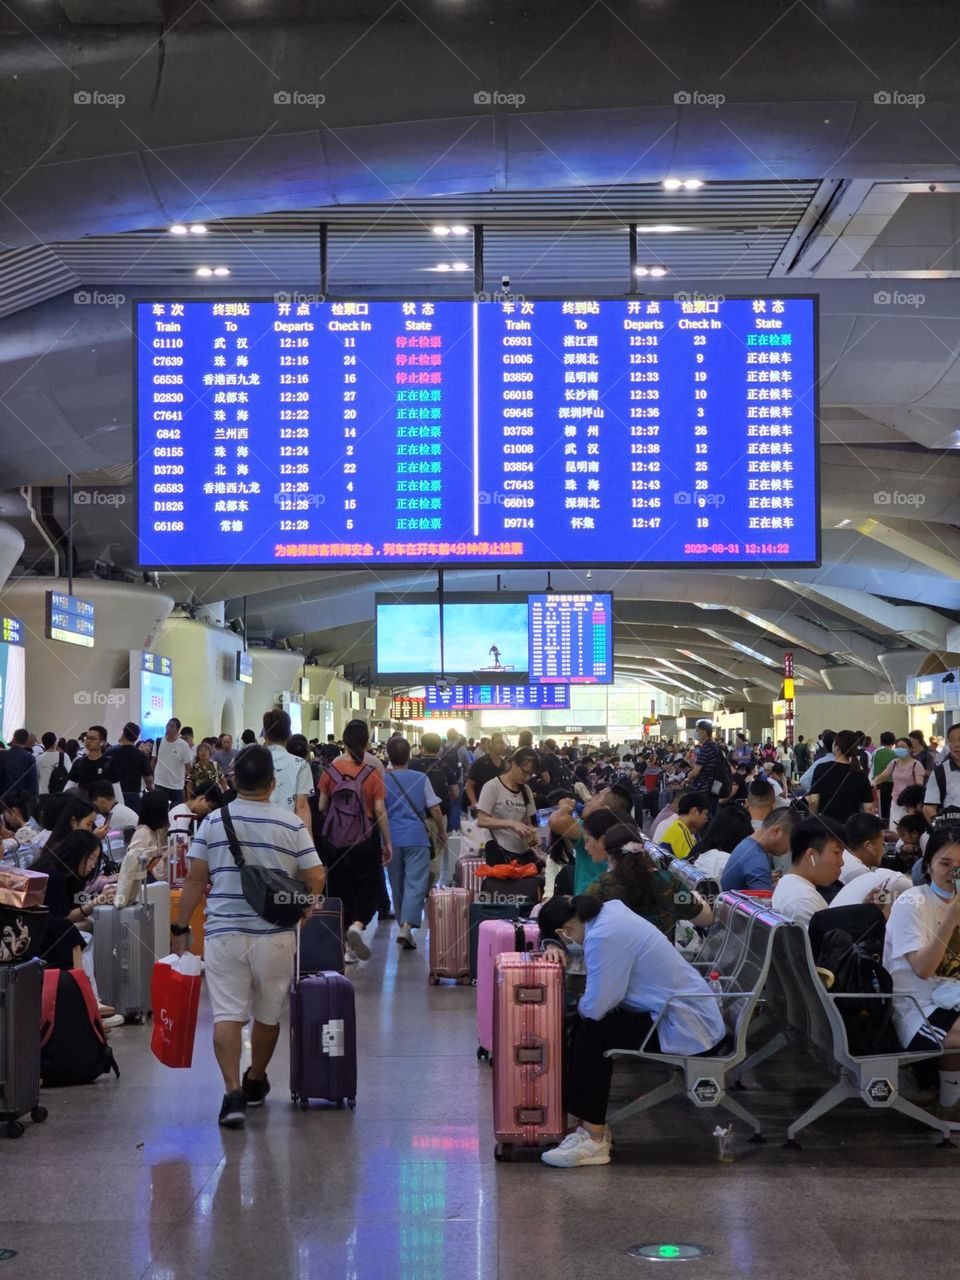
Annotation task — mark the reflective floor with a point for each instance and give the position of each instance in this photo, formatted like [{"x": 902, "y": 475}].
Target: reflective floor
[{"x": 133, "y": 1178}]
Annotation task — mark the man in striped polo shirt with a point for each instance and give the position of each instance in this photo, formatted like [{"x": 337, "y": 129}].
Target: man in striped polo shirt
[{"x": 248, "y": 962}]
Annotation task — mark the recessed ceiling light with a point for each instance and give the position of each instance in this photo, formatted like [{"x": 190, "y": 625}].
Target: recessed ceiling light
[
  {"x": 461, "y": 266},
  {"x": 178, "y": 229},
  {"x": 672, "y": 184},
  {"x": 441, "y": 230},
  {"x": 221, "y": 271},
  {"x": 658, "y": 271},
  {"x": 692, "y": 184},
  {"x": 204, "y": 271},
  {"x": 664, "y": 228},
  {"x": 641, "y": 271},
  {"x": 459, "y": 229},
  {"x": 442, "y": 266},
  {"x": 198, "y": 229}
]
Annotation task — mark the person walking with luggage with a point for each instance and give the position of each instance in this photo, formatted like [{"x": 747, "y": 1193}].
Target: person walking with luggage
[
  {"x": 634, "y": 973},
  {"x": 355, "y": 834},
  {"x": 248, "y": 962},
  {"x": 412, "y": 805}
]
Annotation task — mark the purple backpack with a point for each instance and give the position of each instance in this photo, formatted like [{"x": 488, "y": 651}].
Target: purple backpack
[{"x": 346, "y": 823}]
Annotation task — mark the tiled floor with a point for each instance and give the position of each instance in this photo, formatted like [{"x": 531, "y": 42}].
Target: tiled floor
[{"x": 133, "y": 1178}]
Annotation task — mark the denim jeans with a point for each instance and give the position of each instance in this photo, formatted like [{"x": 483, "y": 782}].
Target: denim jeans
[{"x": 409, "y": 871}]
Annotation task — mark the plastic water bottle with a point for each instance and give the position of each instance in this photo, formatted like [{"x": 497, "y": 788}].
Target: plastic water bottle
[{"x": 714, "y": 982}]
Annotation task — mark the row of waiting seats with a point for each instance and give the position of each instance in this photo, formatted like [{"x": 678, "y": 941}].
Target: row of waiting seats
[{"x": 769, "y": 987}]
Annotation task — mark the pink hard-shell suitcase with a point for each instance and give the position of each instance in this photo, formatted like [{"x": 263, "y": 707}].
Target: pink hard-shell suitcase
[
  {"x": 495, "y": 937},
  {"x": 465, "y": 874},
  {"x": 528, "y": 1038},
  {"x": 448, "y": 919}
]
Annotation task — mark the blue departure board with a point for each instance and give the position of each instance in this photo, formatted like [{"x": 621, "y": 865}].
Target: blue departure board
[
  {"x": 622, "y": 432},
  {"x": 479, "y": 697},
  {"x": 11, "y": 631},
  {"x": 571, "y": 638},
  {"x": 70, "y": 619}
]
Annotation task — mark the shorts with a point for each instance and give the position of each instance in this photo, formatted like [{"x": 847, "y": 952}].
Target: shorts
[
  {"x": 249, "y": 975},
  {"x": 926, "y": 1040}
]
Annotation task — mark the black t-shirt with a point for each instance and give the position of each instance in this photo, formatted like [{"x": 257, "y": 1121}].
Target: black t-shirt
[
  {"x": 842, "y": 790},
  {"x": 85, "y": 771},
  {"x": 482, "y": 770},
  {"x": 130, "y": 766}
]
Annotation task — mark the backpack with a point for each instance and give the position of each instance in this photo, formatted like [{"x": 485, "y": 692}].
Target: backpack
[
  {"x": 73, "y": 1043},
  {"x": 945, "y": 814},
  {"x": 59, "y": 777},
  {"x": 723, "y": 774},
  {"x": 857, "y": 970},
  {"x": 437, "y": 777},
  {"x": 346, "y": 823}
]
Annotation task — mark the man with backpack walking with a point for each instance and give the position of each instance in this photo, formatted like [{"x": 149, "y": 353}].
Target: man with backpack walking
[{"x": 355, "y": 834}]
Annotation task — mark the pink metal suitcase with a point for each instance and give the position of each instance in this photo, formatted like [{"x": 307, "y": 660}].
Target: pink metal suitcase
[
  {"x": 528, "y": 1037},
  {"x": 448, "y": 919},
  {"x": 495, "y": 937},
  {"x": 465, "y": 874}
]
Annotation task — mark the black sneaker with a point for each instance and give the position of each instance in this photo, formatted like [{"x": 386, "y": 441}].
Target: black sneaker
[
  {"x": 233, "y": 1113},
  {"x": 255, "y": 1091}
]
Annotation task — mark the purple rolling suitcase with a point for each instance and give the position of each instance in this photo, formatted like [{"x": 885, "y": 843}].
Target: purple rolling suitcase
[
  {"x": 323, "y": 1039},
  {"x": 496, "y": 936}
]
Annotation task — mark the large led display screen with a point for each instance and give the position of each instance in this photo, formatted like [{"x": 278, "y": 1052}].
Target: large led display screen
[
  {"x": 484, "y": 636},
  {"x": 630, "y": 431}
]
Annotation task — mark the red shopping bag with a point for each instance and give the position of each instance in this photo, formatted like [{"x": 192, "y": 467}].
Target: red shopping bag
[{"x": 176, "y": 1001}]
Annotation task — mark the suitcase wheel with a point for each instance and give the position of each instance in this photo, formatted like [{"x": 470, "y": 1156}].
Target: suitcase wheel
[
  {"x": 294, "y": 1099},
  {"x": 482, "y": 1055},
  {"x": 432, "y": 979},
  {"x": 503, "y": 1152},
  {"x": 13, "y": 1129},
  {"x": 304, "y": 1104},
  {"x": 39, "y": 1114}
]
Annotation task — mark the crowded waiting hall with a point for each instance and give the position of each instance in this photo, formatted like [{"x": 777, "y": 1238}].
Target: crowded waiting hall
[{"x": 479, "y": 639}]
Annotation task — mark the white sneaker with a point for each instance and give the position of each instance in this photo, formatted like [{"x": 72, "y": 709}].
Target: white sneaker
[
  {"x": 114, "y": 1020},
  {"x": 578, "y": 1149},
  {"x": 356, "y": 943}
]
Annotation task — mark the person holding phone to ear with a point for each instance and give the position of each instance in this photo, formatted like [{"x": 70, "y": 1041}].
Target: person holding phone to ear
[{"x": 816, "y": 854}]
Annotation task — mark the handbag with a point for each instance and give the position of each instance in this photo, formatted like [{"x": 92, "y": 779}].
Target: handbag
[
  {"x": 175, "y": 999},
  {"x": 279, "y": 899}
]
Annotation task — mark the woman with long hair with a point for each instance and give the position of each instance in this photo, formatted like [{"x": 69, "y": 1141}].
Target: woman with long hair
[
  {"x": 355, "y": 845},
  {"x": 76, "y": 814},
  {"x": 649, "y": 891},
  {"x": 71, "y": 869},
  {"x": 841, "y": 788}
]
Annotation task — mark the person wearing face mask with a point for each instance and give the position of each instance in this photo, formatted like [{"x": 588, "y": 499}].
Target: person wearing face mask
[
  {"x": 921, "y": 950},
  {"x": 816, "y": 860},
  {"x": 903, "y": 770},
  {"x": 633, "y": 971}
]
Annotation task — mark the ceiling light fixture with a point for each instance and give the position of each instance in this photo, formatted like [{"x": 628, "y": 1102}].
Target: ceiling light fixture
[
  {"x": 658, "y": 271},
  {"x": 441, "y": 230},
  {"x": 692, "y": 184},
  {"x": 650, "y": 271},
  {"x": 641, "y": 271},
  {"x": 461, "y": 266},
  {"x": 204, "y": 271},
  {"x": 442, "y": 266},
  {"x": 672, "y": 184},
  {"x": 178, "y": 229},
  {"x": 198, "y": 229},
  {"x": 458, "y": 229},
  {"x": 663, "y": 229},
  {"x": 221, "y": 271},
  {"x": 685, "y": 184}
]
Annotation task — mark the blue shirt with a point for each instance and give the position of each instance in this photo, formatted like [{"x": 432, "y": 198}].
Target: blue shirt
[
  {"x": 631, "y": 964},
  {"x": 749, "y": 868},
  {"x": 409, "y": 794}
]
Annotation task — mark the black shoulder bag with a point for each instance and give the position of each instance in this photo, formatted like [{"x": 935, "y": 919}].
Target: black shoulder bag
[{"x": 280, "y": 900}]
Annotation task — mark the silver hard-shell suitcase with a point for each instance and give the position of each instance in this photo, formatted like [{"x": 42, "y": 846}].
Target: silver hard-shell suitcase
[{"x": 21, "y": 996}]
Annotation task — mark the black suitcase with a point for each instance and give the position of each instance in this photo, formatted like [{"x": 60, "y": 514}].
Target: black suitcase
[
  {"x": 321, "y": 939},
  {"x": 21, "y": 997}
]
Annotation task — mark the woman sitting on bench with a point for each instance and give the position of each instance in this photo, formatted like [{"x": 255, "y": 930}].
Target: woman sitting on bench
[
  {"x": 633, "y": 970},
  {"x": 922, "y": 954}
]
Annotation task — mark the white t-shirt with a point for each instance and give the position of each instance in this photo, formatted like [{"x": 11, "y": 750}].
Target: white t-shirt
[
  {"x": 497, "y": 800},
  {"x": 852, "y": 867},
  {"x": 951, "y": 796},
  {"x": 712, "y": 861},
  {"x": 173, "y": 758},
  {"x": 915, "y": 918},
  {"x": 121, "y": 817},
  {"x": 796, "y": 899},
  {"x": 893, "y": 883},
  {"x": 47, "y": 761},
  {"x": 183, "y": 821},
  {"x": 293, "y": 777}
]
